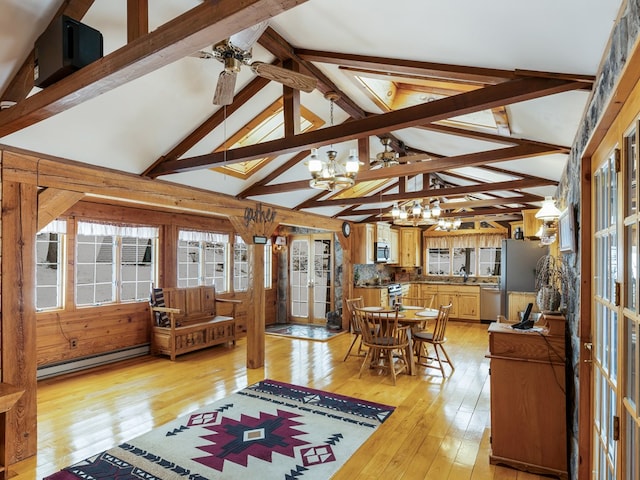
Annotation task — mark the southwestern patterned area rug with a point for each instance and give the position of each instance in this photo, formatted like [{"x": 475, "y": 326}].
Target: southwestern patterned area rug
[{"x": 269, "y": 430}]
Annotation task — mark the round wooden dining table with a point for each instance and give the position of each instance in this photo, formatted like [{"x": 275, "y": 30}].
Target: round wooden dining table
[{"x": 414, "y": 316}]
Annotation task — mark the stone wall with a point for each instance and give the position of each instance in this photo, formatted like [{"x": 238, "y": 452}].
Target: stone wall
[{"x": 623, "y": 39}]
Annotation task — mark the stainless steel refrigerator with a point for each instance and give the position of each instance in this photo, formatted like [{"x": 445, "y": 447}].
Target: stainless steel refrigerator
[{"x": 518, "y": 260}]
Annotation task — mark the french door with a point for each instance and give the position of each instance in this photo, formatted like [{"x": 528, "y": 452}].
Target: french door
[
  {"x": 311, "y": 287},
  {"x": 605, "y": 324},
  {"x": 616, "y": 314}
]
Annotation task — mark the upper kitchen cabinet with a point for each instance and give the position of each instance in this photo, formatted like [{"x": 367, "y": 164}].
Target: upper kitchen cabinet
[
  {"x": 530, "y": 224},
  {"x": 394, "y": 245},
  {"x": 410, "y": 247},
  {"x": 383, "y": 233},
  {"x": 363, "y": 239},
  {"x": 365, "y": 235}
]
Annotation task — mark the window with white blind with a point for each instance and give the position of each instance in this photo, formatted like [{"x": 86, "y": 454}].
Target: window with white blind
[
  {"x": 114, "y": 263},
  {"x": 203, "y": 259},
  {"x": 50, "y": 242}
]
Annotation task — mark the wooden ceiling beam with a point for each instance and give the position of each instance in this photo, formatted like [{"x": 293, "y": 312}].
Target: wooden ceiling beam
[
  {"x": 481, "y": 76},
  {"x": 435, "y": 192},
  {"x": 432, "y": 166},
  {"x": 501, "y": 94},
  {"x": 137, "y": 19},
  {"x": 491, "y": 137},
  {"x": 22, "y": 82},
  {"x": 443, "y": 71},
  {"x": 278, "y": 46},
  {"x": 254, "y": 189},
  {"x": 504, "y": 93},
  {"x": 201, "y": 26}
]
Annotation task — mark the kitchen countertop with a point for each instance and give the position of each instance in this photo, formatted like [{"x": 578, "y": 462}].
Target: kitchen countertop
[{"x": 430, "y": 282}]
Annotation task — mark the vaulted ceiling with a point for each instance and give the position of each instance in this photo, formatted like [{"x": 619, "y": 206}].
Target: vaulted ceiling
[{"x": 481, "y": 101}]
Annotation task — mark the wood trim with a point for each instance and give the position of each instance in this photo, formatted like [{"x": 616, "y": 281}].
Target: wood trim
[
  {"x": 585, "y": 370},
  {"x": 52, "y": 202},
  {"x": 109, "y": 184},
  {"x": 505, "y": 93},
  {"x": 208, "y": 23}
]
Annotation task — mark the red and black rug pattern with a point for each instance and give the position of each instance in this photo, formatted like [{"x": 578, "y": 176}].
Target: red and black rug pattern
[{"x": 268, "y": 430}]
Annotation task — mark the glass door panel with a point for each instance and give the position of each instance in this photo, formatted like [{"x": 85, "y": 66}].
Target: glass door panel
[
  {"x": 311, "y": 278},
  {"x": 605, "y": 322}
]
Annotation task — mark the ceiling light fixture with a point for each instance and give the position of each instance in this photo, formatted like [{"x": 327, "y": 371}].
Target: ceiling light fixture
[
  {"x": 416, "y": 214},
  {"x": 330, "y": 174},
  {"x": 549, "y": 215}
]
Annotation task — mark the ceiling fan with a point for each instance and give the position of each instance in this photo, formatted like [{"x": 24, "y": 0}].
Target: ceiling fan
[
  {"x": 389, "y": 158},
  {"x": 236, "y": 51}
]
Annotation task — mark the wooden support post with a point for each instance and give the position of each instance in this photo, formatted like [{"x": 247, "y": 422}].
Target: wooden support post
[
  {"x": 19, "y": 216},
  {"x": 256, "y": 315}
]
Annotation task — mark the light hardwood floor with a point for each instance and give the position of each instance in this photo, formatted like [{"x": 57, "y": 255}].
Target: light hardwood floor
[{"x": 439, "y": 430}]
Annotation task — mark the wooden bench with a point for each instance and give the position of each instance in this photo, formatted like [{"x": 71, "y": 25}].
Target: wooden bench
[{"x": 186, "y": 319}]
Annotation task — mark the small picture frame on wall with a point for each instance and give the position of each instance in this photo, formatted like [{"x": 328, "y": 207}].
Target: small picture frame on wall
[{"x": 567, "y": 231}]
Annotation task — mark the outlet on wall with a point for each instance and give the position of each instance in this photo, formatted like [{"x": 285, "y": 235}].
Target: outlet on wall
[{"x": 73, "y": 342}]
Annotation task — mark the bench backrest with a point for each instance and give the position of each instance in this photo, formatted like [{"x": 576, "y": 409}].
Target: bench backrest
[{"x": 192, "y": 301}]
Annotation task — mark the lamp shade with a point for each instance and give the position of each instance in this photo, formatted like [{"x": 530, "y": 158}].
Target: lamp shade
[{"x": 549, "y": 211}]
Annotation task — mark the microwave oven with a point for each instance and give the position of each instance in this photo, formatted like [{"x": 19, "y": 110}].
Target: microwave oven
[{"x": 381, "y": 252}]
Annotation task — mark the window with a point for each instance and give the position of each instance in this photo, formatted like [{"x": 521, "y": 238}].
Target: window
[
  {"x": 489, "y": 261},
  {"x": 439, "y": 261},
  {"x": 268, "y": 265},
  {"x": 50, "y": 265},
  {"x": 240, "y": 265},
  {"x": 469, "y": 261},
  {"x": 114, "y": 263},
  {"x": 202, "y": 259}
]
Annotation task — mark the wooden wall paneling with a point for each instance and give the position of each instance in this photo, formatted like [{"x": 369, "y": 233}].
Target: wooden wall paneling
[
  {"x": 19, "y": 210},
  {"x": 97, "y": 330}
]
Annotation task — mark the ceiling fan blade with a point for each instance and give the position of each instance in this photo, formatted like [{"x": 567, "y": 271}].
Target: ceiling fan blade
[
  {"x": 414, "y": 158},
  {"x": 225, "y": 88},
  {"x": 245, "y": 39},
  {"x": 287, "y": 77}
]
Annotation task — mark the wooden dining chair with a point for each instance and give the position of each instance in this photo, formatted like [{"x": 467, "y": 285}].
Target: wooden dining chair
[
  {"x": 352, "y": 304},
  {"x": 437, "y": 339},
  {"x": 426, "y": 301},
  {"x": 386, "y": 341}
]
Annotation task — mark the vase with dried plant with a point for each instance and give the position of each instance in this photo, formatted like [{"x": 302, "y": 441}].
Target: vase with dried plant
[{"x": 549, "y": 283}]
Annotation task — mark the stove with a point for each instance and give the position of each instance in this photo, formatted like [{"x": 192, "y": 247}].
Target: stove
[{"x": 395, "y": 293}]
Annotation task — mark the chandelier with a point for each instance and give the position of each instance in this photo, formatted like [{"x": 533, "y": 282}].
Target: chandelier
[
  {"x": 416, "y": 214},
  {"x": 331, "y": 174},
  {"x": 447, "y": 224}
]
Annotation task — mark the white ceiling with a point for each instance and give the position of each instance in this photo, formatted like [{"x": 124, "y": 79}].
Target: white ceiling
[{"x": 132, "y": 126}]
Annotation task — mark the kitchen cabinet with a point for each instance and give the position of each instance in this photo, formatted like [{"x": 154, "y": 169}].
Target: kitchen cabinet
[
  {"x": 383, "y": 232},
  {"x": 464, "y": 299},
  {"x": 394, "y": 245},
  {"x": 362, "y": 242},
  {"x": 410, "y": 246},
  {"x": 528, "y": 406},
  {"x": 372, "y": 296},
  {"x": 530, "y": 224},
  {"x": 518, "y": 303}
]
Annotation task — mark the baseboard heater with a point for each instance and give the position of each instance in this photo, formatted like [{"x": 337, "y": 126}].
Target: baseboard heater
[{"x": 84, "y": 363}]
